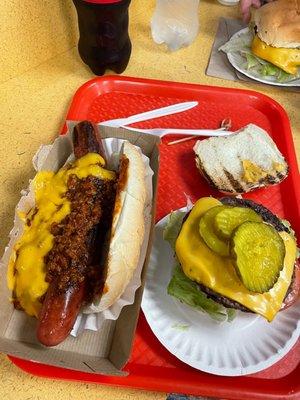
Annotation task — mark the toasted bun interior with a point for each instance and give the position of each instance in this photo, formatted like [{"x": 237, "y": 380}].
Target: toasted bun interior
[
  {"x": 278, "y": 23},
  {"x": 127, "y": 227},
  {"x": 241, "y": 162}
]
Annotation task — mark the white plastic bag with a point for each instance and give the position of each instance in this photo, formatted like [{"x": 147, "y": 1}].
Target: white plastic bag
[{"x": 175, "y": 22}]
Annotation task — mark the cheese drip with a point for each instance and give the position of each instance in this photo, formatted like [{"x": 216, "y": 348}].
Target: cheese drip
[
  {"x": 284, "y": 58},
  {"x": 27, "y": 269},
  {"x": 202, "y": 265}
]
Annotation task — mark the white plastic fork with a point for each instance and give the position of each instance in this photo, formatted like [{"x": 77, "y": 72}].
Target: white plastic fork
[
  {"x": 159, "y": 112},
  {"x": 190, "y": 132}
]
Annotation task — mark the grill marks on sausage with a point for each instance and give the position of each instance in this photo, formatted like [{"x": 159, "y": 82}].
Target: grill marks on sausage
[
  {"x": 75, "y": 255},
  {"x": 85, "y": 140}
]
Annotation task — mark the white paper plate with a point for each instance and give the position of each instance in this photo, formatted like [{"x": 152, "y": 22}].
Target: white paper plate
[
  {"x": 248, "y": 344},
  {"x": 238, "y": 62}
]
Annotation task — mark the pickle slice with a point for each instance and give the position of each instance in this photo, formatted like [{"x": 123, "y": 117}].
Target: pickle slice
[
  {"x": 208, "y": 234},
  {"x": 259, "y": 253},
  {"x": 228, "y": 220}
]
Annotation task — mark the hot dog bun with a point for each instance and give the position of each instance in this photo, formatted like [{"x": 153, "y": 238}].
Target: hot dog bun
[{"x": 127, "y": 227}]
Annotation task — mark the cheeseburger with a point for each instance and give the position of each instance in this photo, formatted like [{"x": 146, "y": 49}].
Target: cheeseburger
[
  {"x": 277, "y": 34},
  {"x": 233, "y": 254}
]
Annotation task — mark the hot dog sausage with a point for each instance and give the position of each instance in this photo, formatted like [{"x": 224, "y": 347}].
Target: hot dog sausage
[
  {"x": 85, "y": 140},
  {"x": 59, "y": 313},
  {"x": 92, "y": 201}
]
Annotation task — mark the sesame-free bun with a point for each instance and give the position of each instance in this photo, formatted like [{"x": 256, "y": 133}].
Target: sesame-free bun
[
  {"x": 128, "y": 226},
  {"x": 240, "y": 162},
  {"x": 278, "y": 23}
]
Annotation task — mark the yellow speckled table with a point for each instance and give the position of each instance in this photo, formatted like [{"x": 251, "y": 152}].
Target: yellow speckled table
[{"x": 39, "y": 72}]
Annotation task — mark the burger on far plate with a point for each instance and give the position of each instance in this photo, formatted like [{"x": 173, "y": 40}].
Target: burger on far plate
[
  {"x": 272, "y": 48},
  {"x": 277, "y": 39},
  {"x": 233, "y": 254}
]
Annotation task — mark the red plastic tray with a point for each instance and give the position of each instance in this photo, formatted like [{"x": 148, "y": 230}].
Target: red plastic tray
[{"x": 151, "y": 366}]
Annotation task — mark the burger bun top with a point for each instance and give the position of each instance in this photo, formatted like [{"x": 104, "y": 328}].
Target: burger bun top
[{"x": 278, "y": 23}]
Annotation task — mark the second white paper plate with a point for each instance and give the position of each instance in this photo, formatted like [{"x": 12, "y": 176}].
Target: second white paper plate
[{"x": 247, "y": 345}]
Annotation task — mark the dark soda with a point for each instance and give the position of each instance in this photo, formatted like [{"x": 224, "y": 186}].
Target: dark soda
[{"x": 104, "y": 41}]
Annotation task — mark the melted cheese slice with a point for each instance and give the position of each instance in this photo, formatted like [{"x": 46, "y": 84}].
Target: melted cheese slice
[
  {"x": 27, "y": 270},
  {"x": 202, "y": 265},
  {"x": 286, "y": 59}
]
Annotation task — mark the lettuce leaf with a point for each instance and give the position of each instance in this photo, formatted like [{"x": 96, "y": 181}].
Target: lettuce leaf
[
  {"x": 251, "y": 60},
  {"x": 188, "y": 292},
  {"x": 184, "y": 289},
  {"x": 173, "y": 227}
]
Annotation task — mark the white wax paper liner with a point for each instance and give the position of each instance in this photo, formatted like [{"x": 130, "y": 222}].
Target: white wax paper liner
[{"x": 51, "y": 158}]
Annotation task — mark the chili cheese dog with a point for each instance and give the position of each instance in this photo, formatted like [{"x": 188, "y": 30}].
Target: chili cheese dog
[{"x": 82, "y": 240}]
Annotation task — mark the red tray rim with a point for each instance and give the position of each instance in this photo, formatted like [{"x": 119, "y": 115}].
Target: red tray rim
[
  {"x": 281, "y": 390},
  {"x": 274, "y": 388}
]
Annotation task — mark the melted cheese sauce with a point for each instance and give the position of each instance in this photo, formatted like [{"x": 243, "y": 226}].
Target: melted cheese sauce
[
  {"x": 27, "y": 270},
  {"x": 202, "y": 265}
]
